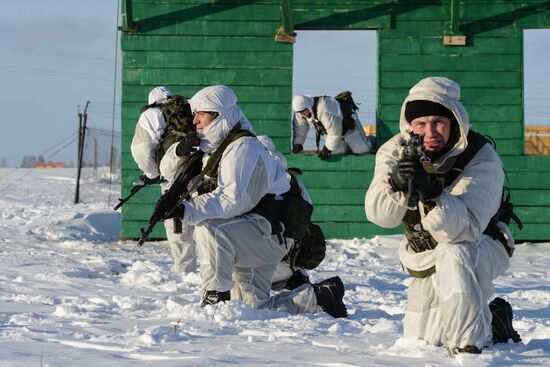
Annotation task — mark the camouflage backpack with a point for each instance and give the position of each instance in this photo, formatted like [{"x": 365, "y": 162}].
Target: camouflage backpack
[
  {"x": 309, "y": 251},
  {"x": 179, "y": 120},
  {"x": 348, "y": 107}
]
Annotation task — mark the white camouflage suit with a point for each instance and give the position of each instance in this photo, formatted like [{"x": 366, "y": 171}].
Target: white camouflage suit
[
  {"x": 149, "y": 129},
  {"x": 236, "y": 250},
  {"x": 450, "y": 307},
  {"x": 329, "y": 114}
]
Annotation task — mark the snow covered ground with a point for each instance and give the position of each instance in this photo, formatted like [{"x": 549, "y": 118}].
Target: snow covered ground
[{"x": 72, "y": 294}]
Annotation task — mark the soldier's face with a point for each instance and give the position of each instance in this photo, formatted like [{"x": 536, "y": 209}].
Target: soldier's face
[
  {"x": 304, "y": 113},
  {"x": 436, "y": 131},
  {"x": 202, "y": 119}
]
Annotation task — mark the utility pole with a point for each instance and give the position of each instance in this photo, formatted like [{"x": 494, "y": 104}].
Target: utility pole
[
  {"x": 113, "y": 162},
  {"x": 95, "y": 158},
  {"x": 82, "y": 117}
]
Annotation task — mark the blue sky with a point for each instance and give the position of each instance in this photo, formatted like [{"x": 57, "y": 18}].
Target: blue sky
[
  {"x": 58, "y": 54},
  {"x": 55, "y": 55}
]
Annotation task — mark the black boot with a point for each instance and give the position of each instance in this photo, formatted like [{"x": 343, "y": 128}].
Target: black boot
[
  {"x": 297, "y": 279},
  {"x": 471, "y": 349},
  {"x": 502, "y": 322},
  {"x": 213, "y": 297},
  {"x": 329, "y": 295}
]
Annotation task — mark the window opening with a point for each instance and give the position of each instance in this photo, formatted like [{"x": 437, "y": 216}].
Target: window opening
[
  {"x": 536, "y": 91},
  {"x": 330, "y": 62}
]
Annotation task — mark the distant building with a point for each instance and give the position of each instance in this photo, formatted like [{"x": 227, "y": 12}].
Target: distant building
[
  {"x": 49, "y": 165},
  {"x": 537, "y": 140}
]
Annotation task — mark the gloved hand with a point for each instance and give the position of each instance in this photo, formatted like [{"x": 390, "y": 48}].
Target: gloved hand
[
  {"x": 178, "y": 212},
  {"x": 149, "y": 181},
  {"x": 187, "y": 145},
  {"x": 397, "y": 181},
  {"x": 426, "y": 185},
  {"x": 324, "y": 153},
  {"x": 297, "y": 148}
]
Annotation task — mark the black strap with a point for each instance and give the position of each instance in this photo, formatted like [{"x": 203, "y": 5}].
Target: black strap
[
  {"x": 315, "y": 105},
  {"x": 421, "y": 273},
  {"x": 318, "y": 131},
  {"x": 476, "y": 141},
  {"x": 214, "y": 160},
  {"x": 319, "y": 128},
  {"x": 211, "y": 168}
]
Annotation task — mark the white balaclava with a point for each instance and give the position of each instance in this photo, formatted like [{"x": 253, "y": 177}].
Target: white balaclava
[
  {"x": 220, "y": 99},
  {"x": 159, "y": 95},
  {"x": 301, "y": 102}
]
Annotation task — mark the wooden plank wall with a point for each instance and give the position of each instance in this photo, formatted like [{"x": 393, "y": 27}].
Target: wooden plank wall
[
  {"x": 490, "y": 70},
  {"x": 190, "y": 44}
]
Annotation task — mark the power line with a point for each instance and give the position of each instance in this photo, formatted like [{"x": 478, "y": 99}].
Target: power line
[
  {"x": 54, "y": 73},
  {"x": 57, "y": 144},
  {"x": 64, "y": 54}
]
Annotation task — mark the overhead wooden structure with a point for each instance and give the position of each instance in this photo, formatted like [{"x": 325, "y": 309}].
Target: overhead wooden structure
[{"x": 248, "y": 45}]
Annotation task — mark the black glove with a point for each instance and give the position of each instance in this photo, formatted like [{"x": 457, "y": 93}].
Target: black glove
[
  {"x": 188, "y": 144},
  {"x": 178, "y": 212},
  {"x": 426, "y": 185},
  {"x": 297, "y": 148},
  {"x": 324, "y": 153},
  {"x": 149, "y": 181},
  {"x": 397, "y": 181}
]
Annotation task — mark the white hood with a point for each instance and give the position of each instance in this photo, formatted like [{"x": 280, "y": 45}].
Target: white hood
[
  {"x": 220, "y": 99},
  {"x": 301, "y": 102},
  {"x": 447, "y": 93},
  {"x": 159, "y": 95}
]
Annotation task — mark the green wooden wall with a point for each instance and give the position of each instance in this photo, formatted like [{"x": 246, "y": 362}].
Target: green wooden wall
[{"x": 189, "y": 44}]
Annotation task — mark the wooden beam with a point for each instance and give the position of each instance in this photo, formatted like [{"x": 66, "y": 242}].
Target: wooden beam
[
  {"x": 452, "y": 37},
  {"x": 128, "y": 24},
  {"x": 286, "y": 32}
]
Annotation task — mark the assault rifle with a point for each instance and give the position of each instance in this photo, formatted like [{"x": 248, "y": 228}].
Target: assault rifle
[
  {"x": 414, "y": 147},
  {"x": 138, "y": 185},
  {"x": 178, "y": 192}
]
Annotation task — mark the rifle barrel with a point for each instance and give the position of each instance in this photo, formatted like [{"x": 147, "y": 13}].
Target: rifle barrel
[
  {"x": 134, "y": 191},
  {"x": 120, "y": 203},
  {"x": 144, "y": 235}
]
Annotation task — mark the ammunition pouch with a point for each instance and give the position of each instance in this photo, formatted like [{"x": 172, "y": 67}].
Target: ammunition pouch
[
  {"x": 296, "y": 213},
  {"x": 309, "y": 251},
  {"x": 293, "y": 211},
  {"x": 418, "y": 238},
  {"x": 271, "y": 209}
]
